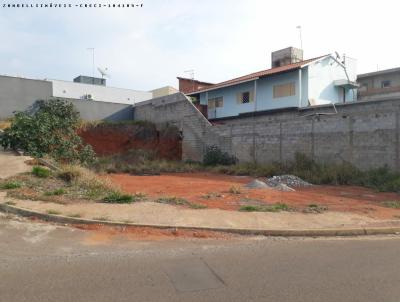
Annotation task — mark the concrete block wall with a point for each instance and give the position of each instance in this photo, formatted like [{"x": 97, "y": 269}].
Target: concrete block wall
[
  {"x": 365, "y": 134},
  {"x": 176, "y": 109}
]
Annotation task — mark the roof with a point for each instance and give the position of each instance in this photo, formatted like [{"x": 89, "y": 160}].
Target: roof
[
  {"x": 197, "y": 81},
  {"x": 381, "y": 72},
  {"x": 259, "y": 74}
]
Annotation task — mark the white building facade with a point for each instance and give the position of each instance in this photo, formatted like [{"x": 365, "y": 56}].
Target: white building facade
[{"x": 90, "y": 92}]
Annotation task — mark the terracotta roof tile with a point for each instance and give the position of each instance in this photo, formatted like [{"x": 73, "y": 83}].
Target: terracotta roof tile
[{"x": 259, "y": 74}]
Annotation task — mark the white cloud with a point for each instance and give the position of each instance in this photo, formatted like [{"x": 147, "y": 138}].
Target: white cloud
[{"x": 148, "y": 47}]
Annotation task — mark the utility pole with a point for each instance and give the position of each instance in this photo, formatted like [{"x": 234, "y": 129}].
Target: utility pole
[
  {"x": 92, "y": 49},
  {"x": 301, "y": 39}
]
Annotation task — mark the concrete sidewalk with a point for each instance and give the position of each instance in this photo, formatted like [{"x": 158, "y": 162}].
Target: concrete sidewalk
[
  {"x": 150, "y": 213},
  {"x": 12, "y": 164}
]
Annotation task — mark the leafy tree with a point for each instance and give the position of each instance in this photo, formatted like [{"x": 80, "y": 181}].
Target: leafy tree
[{"x": 49, "y": 128}]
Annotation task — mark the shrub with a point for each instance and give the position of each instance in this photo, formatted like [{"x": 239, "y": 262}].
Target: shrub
[
  {"x": 49, "y": 128},
  {"x": 265, "y": 208},
  {"x": 55, "y": 192},
  {"x": 214, "y": 156},
  {"x": 381, "y": 179},
  {"x": 11, "y": 185},
  {"x": 41, "y": 172},
  {"x": 117, "y": 197}
]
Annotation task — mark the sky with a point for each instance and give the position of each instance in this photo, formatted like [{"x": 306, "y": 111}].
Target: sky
[{"x": 146, "y": 48}]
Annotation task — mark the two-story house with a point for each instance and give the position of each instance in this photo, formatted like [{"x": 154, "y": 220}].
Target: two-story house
[
  {"x": 291, "y": 83},
  {"x": 379, "y": 85}
]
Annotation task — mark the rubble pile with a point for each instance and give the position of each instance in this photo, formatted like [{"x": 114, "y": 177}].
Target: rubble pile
[{"x": 291, "y": 181}]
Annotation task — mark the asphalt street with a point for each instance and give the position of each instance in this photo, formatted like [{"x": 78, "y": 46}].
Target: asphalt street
[{"x": 44, "y": 262}]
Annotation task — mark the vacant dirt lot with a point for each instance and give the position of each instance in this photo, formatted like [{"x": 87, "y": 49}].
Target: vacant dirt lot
[{"x": 214, "y": 191}]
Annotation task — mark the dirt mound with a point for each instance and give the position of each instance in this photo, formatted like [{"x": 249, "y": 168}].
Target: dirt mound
[{"x": 257, "y": 184}]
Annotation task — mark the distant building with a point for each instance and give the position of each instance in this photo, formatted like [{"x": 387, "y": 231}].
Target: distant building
[
  {"x": 95, "y": 89},
  {"x": 378, "y": 85},
  {"x": 92, "y": 98},
  {"x": 163, "y": 91},
  {"x": 189, "y": 85},
  {"x": 291, "y": 83}
]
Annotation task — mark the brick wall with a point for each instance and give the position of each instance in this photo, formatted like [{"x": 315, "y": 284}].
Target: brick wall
[
  {"x": 190, "y": 85},
  {"x": 110, "y": 139}
]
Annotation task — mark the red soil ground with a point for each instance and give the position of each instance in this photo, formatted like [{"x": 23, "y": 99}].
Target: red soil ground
[
  {"x": 102, "y": 234},
  {"x": 195, "y": 186}
]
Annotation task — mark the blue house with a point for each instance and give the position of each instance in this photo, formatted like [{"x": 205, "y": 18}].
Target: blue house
[{"x": 291, "y": 83}]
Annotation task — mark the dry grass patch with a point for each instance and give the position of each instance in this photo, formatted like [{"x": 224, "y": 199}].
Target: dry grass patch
[
  {"x": 5, "y": 124},
  {"x": 211, "y": 195},
  {"x": 77, "y": 215},
  {"x": 235, "y": 190},
  {"x": 395, "y": 204},
  {"x": 70, "y": 184},
  {"x": 101, "y": 218},
  {"x": 176, "y": 201}
]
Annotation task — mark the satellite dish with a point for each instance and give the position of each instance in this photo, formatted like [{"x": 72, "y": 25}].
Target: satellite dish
[{"x": 104, "y": 72}]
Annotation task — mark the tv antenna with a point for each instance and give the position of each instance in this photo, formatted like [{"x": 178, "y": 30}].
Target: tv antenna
[
  {"x": 104, "y": 72},
  {"x": 92, "y": 49},
  {"x": 301, "y": 38},
  {"x": 190, "y": 72}
]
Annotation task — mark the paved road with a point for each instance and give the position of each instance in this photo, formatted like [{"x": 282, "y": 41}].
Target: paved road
[{"x": 40, "y": 262}]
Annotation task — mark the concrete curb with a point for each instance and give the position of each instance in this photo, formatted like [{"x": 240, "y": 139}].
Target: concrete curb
[{"x": 264, "y": 232}]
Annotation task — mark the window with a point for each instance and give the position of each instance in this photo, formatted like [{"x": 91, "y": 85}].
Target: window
[
  {"x": 244, "y": 97},
  {"x": 385, "y": 84},
  {"x": 217, "y": 102},
  {"x": 364, "y": 86},
  {"x": 284, "y": 90}
]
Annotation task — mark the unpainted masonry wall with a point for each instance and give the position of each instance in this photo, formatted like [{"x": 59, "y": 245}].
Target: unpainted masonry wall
[
  {"x": 176, "y": 109},
  {"x": 365, "y": 134}
]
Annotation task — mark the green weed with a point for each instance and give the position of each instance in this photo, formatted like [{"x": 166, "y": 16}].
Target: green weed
[
  {"x": 41, "y": 172},
  {"x": 9, "y": 185}
]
